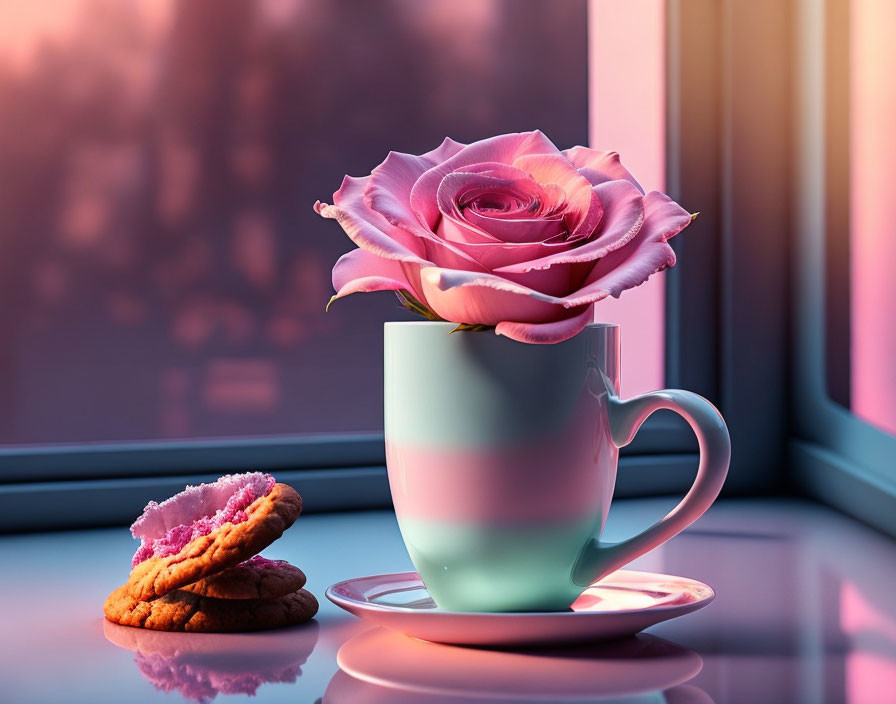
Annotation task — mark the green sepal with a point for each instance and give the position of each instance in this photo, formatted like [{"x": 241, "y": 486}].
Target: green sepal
[
  {"x": 472, "y": 327},
  {"x": 415, "y": 306}
]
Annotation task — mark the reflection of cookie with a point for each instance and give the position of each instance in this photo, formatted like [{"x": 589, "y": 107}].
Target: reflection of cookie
[
  {"x": 267, "y": 517},
  {"x": 202, "y": 665},
  {"x": 256, "y": 578},
  {"x": 238, "y": 649},
  {"x": 184, "y": 611}
]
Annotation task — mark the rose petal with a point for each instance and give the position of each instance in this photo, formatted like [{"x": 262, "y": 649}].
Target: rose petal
[
  {"x": 486, "y": 299},
  {"x": 547, "y": 333},
  {"x": 663, "y": 217},
  {"x": 386, "y": 193},
  {"x": 457, "y": 232},
  {"x": 598, "y": 166},
  {"x": 517, "y": 230},
  {"x": 557, "y": 280},
  {"x": 514, "y": 231},
  {"x": 624, "y": 269},
  {"x": 371, "y": 231},
  {"x": 553, "y": 168},
  {"x": 494, "y": 169},
  {"x": 503, "y": 182},
  {"x": 644, "y": 256},
  {"x": 367, "y": 228},
  {"x": 584, "y": 206},
  {"x": 388, "y": 189},
  {"x": 516, "y": 187},
  {"x": 494, "y": 255},
  {"x": 491, "y": 255},
  {"x": 360, "y": 271},
  {"x": 503, "y": 149},
  {"x": 449, "y": 255},
  {"x": 367, "y": 284},
  {"x": 623, "y": 215},
  {"x": 523, "y": 224}
]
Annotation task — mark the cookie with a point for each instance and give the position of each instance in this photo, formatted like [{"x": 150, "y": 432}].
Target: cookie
[
  {"x": 185, "y": 611},
  {"x": 225, "y": 546},
  {"x": 256, "y": 578}
]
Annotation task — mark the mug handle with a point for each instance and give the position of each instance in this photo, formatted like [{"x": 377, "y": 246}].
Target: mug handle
[{"x": 600, "y": 559}]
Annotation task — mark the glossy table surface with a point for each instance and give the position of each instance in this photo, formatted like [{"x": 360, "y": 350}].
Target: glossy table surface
[{"x": 805, "y": 612}]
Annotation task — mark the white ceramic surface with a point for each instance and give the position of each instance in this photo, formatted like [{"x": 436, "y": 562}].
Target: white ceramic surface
[
  {"x": 502, "y": 462},
  {"x": 621, "y": 604}
]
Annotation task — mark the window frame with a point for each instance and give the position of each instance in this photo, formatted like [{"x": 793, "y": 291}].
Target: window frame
[
  {"x": 704, "y": 296},
  {"x": 836, "y": 457},
  {"x": 728, "y": 315}
]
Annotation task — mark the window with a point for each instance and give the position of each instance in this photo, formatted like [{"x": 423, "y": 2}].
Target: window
[
  {"x": 166, "y": 274},
  {"x": 163, "y": 275},
  {"x": 845, "y": 380},
  {"x": 629, "y": 116},
  {"x": 861, "y": 336}
]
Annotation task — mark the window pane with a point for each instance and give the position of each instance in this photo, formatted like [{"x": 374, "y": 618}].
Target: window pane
[
  {"x": 872, "y": 228},
  {"x": 162, "y": 272},
  {"x": 627, "y": 108},
  {"x": 861, "y": 296}
]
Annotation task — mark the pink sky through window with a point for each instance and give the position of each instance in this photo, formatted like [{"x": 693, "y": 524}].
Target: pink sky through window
[
  {"x": 873, "y": 236},
  {"x": 627, "y": 113}
]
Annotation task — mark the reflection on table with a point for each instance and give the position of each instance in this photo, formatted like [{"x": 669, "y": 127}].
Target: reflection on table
[
  {"x": 804, "y": 612},
  {"x": 202, "y": 665},
  {"x": 379, "y": 666},
  {"x": 804, "y": 608}
]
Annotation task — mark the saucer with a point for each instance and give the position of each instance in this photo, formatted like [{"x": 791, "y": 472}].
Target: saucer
[{"x": 620, "y": 604}]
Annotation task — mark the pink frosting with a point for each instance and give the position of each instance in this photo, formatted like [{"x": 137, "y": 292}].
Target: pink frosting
[
  {"x": 259, "y": 561},
  {"x": 164, "y": 528}
]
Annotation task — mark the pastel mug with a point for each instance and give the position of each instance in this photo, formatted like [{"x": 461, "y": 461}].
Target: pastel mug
[{"x": 502, "y": 462}]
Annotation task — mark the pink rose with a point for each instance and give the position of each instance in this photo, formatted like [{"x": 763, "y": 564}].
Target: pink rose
[{"x": 507, "y": 232}]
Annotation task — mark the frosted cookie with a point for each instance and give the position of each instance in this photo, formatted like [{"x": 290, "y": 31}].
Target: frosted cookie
[
  {"x": 207, "y": 529},
  {"x": 185, "y": 611},
  {"x": 256, "y": 578}
]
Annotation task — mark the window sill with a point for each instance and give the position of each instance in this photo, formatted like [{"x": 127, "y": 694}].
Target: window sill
[
  {"x": 106, "y": 502},
  {"x": 802, "y": 592}
]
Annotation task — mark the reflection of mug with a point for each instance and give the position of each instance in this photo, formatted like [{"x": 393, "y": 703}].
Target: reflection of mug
[
  {"x": 202, "y": 665},
  {"x": 638, "y": 670},
  {"x": 502, "y": 462}
]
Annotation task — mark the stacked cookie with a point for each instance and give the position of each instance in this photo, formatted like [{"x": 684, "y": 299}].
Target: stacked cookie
[{"x": 197, "y": 568}]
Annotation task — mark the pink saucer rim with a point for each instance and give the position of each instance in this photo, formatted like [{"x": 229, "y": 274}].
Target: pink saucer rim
[{"x": 345, "y": 601}]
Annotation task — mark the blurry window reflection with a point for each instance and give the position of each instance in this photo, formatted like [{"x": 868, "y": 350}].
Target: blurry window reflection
[{"x": 162, "y": 274}]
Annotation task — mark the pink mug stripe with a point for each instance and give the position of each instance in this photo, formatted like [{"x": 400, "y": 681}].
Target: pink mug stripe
[{"x": 545, "y": 480}]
